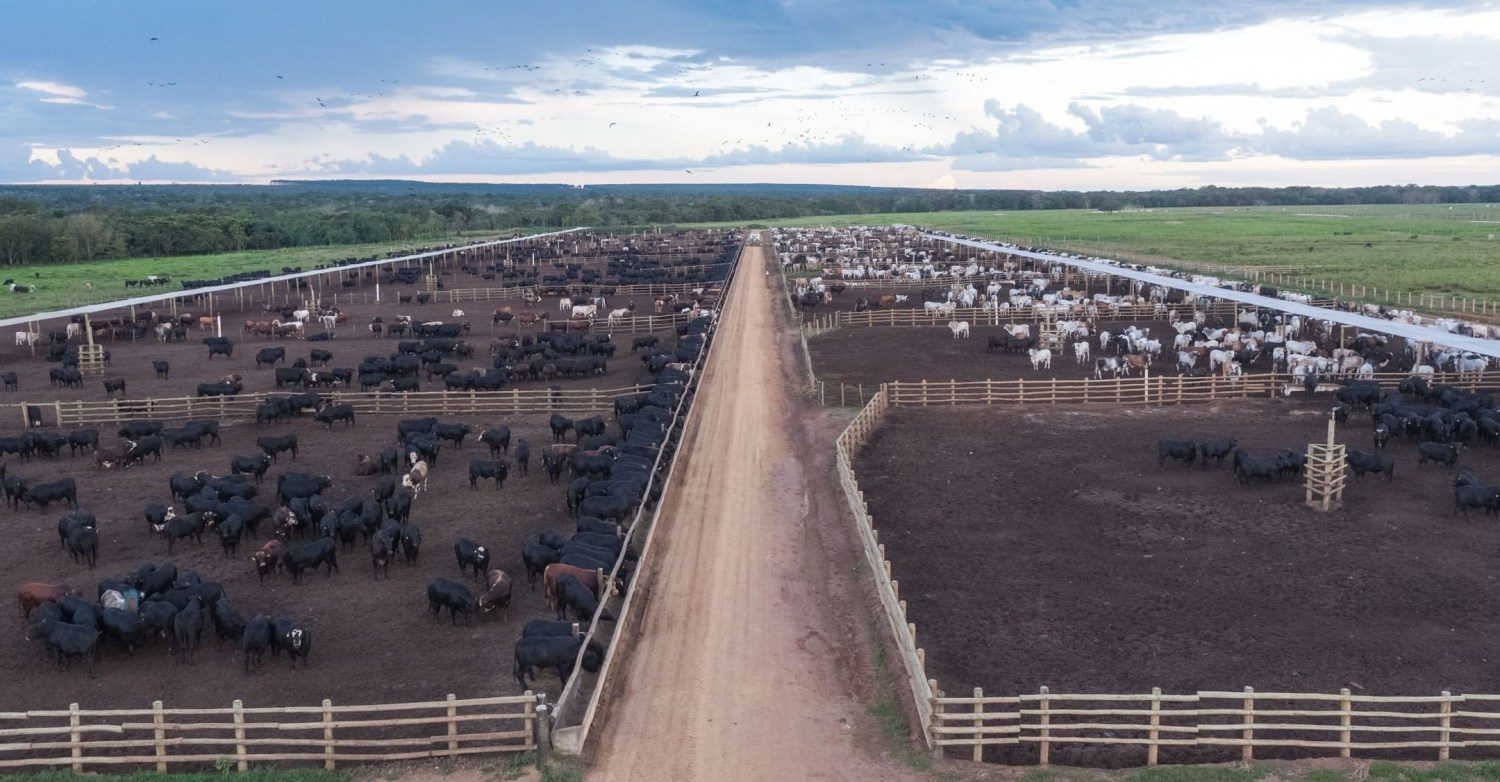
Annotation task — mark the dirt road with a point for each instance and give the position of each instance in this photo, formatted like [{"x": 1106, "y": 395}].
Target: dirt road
[{"x": 744, "y": 667}]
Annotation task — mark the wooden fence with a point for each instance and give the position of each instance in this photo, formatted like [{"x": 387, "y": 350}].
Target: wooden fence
[
  {"x": 819, "y": 323},
  {"x": 165, "y": 738},
  {"x": 1322, "y": 724},
  {"x": 519, "y": 291},
  {"x": 913, "y": 658},
  {"x": 1151, "y": 389},
  {"x": 505, "y": 402}
]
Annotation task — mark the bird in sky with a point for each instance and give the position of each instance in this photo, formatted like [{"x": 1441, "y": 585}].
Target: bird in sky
[
  {"x": 612, "y": 124},
  {"x": 695, "y": 94},
  {"x": 153, "y": 38}
]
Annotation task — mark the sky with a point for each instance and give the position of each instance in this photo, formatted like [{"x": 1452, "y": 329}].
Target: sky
[{"x": 1059, "y": 94}]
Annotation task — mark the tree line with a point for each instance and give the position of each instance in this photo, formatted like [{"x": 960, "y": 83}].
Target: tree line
[{"x": 42, "y": 224}]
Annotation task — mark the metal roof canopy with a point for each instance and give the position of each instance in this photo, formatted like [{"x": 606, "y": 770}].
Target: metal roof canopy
[
  {"x": 1479, "y": 345},
  {"x": 114, "y": 305}
]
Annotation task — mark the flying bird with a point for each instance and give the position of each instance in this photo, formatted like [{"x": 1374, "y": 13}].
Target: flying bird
[
  {"x": 612, "y": 124},
  {"x": 695, "y": 94},
  {"x": 153, "y": 39}
]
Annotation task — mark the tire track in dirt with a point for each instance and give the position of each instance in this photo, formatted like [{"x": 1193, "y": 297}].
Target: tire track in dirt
[{"x": 732, "y": 674}]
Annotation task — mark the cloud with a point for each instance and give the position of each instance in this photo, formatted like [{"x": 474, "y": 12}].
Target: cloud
[
  {"x": 1023, "y": 138},
  {"x": 57, "y": 92}
]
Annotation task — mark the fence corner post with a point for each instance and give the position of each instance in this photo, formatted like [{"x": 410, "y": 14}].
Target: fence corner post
[
  {"x": 239, "y": 736},
  {"x": 158, "y": 720},
  {"x": 328, "y": 748},
  {"x": 1346, "y": 717},
  {"x": 543, "y": 731},
  {"x": 937, "y": 718}
]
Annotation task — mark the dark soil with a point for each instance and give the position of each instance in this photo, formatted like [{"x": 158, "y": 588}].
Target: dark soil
[{"x": 1045, "y": 547}]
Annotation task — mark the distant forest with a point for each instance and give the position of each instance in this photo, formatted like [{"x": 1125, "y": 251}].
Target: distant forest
[{"x": 42, "y": 224}]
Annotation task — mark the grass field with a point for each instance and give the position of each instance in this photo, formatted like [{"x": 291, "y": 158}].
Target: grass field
[
  {"x": 1405, "y": 249},
  {"x": 68, "y": 284}
]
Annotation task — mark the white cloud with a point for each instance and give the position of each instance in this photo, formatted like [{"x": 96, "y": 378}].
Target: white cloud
[{"x": 57, "y": 92}]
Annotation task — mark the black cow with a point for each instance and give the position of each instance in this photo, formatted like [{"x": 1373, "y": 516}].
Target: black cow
[
  {"x": 250, "y": 465},
  {"x": 572, "y": 593},
  {"x": 1217, "y": 449},
  {"x": 320, "y": 357},
  {"x": 558, "y": 654},
  {"x": 1361, "y": 463},
  {"x": 162, "y": 369},
  {"x": 1470, "y": 495},
  {"x": 81, "y": 439},
  {"x": 220, "y": 388},
  {"x": 187, "y": 629},
  {"x": 453, "y": 433},
  {"x": 452, "y": 595},
  {"x": 472, "y": 555},
  {"x": 411, "y": 542},
  {"x": 1441, "y": 453},
  {"x": 83, "y": 544},
  {"x": 487, "y": 468},
  {"x": 191, "y": 525},
  {"x": 11, "y": 380},
  {"x": 560, "y": 426},
  {"x": 549, "y": 628},
  {"x": 309, "y": 556},
  {"x": 343, "y": 411},
  {"x": 258, "y": 638},
  {"x": 44, "y": 494},
  {"x": 497, "y": 438},
  {"x": 272, "y": 446},
  {"x": 294, "y": 638},
  {"x": 219, "y": 346},
  {"x": 112, "y": 385},
  {"x": 1185, "y": 451},
  {"x": 523, "y": 456},
  {"x": 68, "y": 641},
  {"x": 269, "y": 356}
]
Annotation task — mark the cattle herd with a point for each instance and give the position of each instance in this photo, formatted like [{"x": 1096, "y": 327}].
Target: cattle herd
[
  {"x": 267, "y": 510},
  {"x": 1071, "y": 313}
]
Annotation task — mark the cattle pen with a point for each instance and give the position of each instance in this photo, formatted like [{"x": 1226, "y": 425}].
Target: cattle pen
[{"x": 1153, "y": 725}]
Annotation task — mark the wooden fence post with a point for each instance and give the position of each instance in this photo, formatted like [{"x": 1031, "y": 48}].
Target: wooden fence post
[
  {"x": 160, "y": 735},
  {"x": 1346, "y": 718},
  {"x": 978, "y": 725},
  {"x": 75, "y": 738},
  {"x": 1155, "y": 732},
  {"x": 1247, "y": 752},
  {"x": 543, "y": 731},
  {"x": 328, "y": 748},
  {"x": 1045, "y": 719},
  {"x": 1445, "y": 721},
  {"x": 239, "y": 736},
  {"x": 453, "y": 723}
]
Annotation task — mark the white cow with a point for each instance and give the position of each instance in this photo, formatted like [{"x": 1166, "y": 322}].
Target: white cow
[
  {"x": 939, "y": 308},
  {"x": 26, "y": 339},
  {"x": 564, "y": 304},
  {"x": 960, "y": 328},
  {"x": 1018, "y": 330},
  {"x": 584, "y": 310},
  {"x": 458, "y": 313},
  {"x": 1040, "y": 359},
  {"x": 616, "y": 315},
  {"x": 1081, "y": 351},
  {"x": 301, "y": 316}
]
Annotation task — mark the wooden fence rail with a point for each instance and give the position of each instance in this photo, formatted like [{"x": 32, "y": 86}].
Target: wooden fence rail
[
  {"x": 520, "y": 291},
  {"x": 504, "y": 402},
  {"x": 163, "y": 738},
  {"x": 1324, "y": 723}
]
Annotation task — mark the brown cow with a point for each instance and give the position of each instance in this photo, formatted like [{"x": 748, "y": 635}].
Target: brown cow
[
  {"x": 498, "y": 594},
  {"x": 266, "y": 559},
  {"x": 1134, "y": 361},
  {"x": 205, "y": 323},
  {"x": 110, "y": 458},
  {"x": 34, "y": 593},
  {"x": 590, "y": 578},
  {"x": 364, "y": 465}
]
